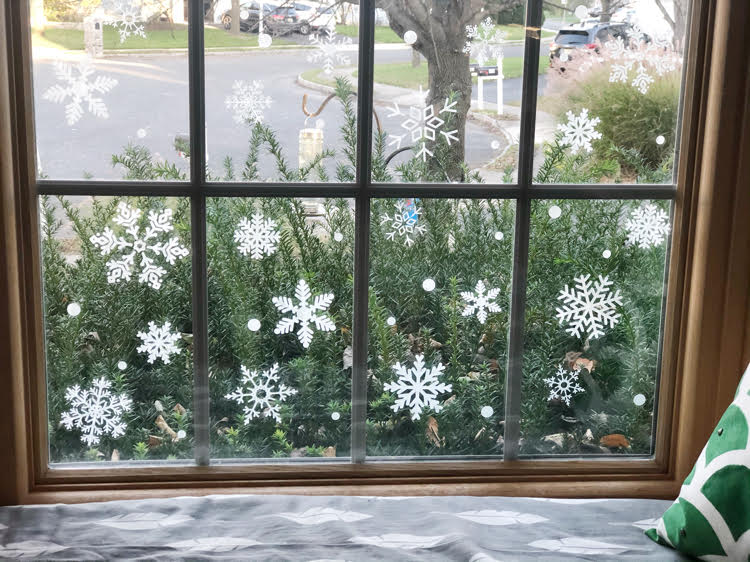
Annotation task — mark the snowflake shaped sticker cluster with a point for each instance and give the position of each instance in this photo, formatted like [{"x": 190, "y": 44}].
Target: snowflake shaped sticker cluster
[
  {"x": 328, "y": 49},
  {"x": 643, "y": 56},
  {"x": 257, "y": 236},
  {"x": 304, "y": 313},
  {"x": 96, "y": 411},
  {"x": 159, "y": 342},
  {"x": 147, "y": 246},
  {"x": 417, "y": 387},
  {"x": 247, "y": 101},
  {"x": 77, "y": 88},
  {"x": 128, "y": 20},
  {"x": 484, "y": 41},
  {"x": 589, "y": 307},
  {"x": 261, "y": 394},
  {"x": 422, "y": 124},
  {"x": 579, "y": 131},
  {"x": 404, "y": 222},
  {"x": 563, "y": 385},
  {"x": 648, "y": 226},
  {"x": 480, "y": 302}
]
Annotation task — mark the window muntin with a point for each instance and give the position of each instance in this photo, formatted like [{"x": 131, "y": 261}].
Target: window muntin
[{"x": 524, "y": 195}]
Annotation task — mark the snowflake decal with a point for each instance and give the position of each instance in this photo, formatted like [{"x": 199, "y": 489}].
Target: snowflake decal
[
  {"x": 329, "y": 49},
  {"x": 127, "y": 20},
  {"x": 417, "y": 387},
  {"x": 421, "y": 124},
  {"x": 96, "y": 411},
  {"x": 261, "y": 394},
  {"x": 404, "y": 222},
  {"x": 640, "y": 58},
  {"x": 579, "y": 131},
  {"x": 247, "y": 101},
  {"x": 484, "y": 41},
  {"x": 146, "y": 246},
  {"x": 77, "y": 88},
  {"x": 648, "y": 226},
  {"x": 589, "y": 307},
  {"x": 159, "y": 342},
  {"x": 480, "y": 302},
  {"x": 563, "y": 385},
  {"x": 257, "y": 236},
  {"x": 304, "y": 313}
]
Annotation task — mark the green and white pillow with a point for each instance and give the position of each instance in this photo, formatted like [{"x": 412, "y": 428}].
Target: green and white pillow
[{"x": 711, "y": 517}]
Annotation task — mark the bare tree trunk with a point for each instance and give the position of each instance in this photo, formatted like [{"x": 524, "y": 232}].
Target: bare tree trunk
[
  {"x": 235, "y": 17},
  {"x": 416, "y": 58}
]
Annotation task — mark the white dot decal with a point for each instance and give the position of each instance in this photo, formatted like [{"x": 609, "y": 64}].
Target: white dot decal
[
  {"x": 487, "y": 411},
  {"x": 391, "y": 321},
  {"x": 264, "y": 40},
  {"x": 142, "y": 133},
  {"x": 253, "y": 324},
  {"x": 122, "y": 365},
  {"x": 639, "y": 399},
  {"x": 554, "y": 212},
  {"x": 582, "y": 12},
  {"x": 181, "y": 434},
  {"x": 499, "y": 235},
  {"x": 606, "y": 254},
  {"x": 495, "y": 144},
  {"x": 338, "y": 237},
  {"x": 564, "y": 57},
  {"x": 410, "y": 37},
  {"x": 660, "y": 140},
  {"x": 335, "y": 416},
  {"x": 74, "y": 309},
  {"x": 428, "y": 285}
]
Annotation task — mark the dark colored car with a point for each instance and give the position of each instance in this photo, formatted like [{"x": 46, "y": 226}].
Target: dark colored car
[
  {"x": 584, "y": 35},
  {"x": 248, "y": 16}
]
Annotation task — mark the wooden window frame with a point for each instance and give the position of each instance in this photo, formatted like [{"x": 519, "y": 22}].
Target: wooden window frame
[{"x": 706, "y": 331}]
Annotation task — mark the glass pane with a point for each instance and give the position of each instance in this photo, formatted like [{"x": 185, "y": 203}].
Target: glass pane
[
  {"x": 281, "y": 99},
  {"x": 110, "y": 87},
  {"x": 447, "y": 84},
  {"x": 593, "y": 320},
  {"x": 609, "y": 100},
  {"x": 117, "y": 282},
  {"x": 280, "y": 327},
  {"x": 440, "y": 282}
]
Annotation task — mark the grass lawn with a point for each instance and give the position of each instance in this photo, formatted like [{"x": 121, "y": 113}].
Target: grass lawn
[
  {"x": 384, "y": 34},
  {"x": 72, "y": 39}
]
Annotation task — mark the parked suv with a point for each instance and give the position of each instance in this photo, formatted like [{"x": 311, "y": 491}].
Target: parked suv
[
  {"x": 585, "y": 35},
  {"x": 248, "y": 16}
]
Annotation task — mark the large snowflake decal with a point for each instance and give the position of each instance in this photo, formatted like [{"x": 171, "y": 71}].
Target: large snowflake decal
[
  {"x": 589, "y": 307},
  {"x": 159, "y": 342},
  {"x": 96, "y": 411},
  {"x": 257, "y": 236},
  {"x": 247, "y": 101},
  {"x": 648, "y": 226},
  {"x": 480, "y": 302},
  {"x": 147, "y": 246},
  {"x": 328, "y": 49},
  {"x": 261, "y": 394},
  {"x": 484, "y": 41},
  {"x": 305, "y": 313},
  {"x": 563, "y": 385},
  {"x": 77, "y": 88},
  {"x": 422, "y": 124},
  {"x": 579, "y": 131},
  {"x": 640, "y": 56},
  {"x": 128, "y": 20},
  {"x": 404, "y": 222},
  {"x": 417, "y": 387}
]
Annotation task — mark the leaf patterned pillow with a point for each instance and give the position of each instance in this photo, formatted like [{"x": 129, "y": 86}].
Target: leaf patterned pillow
[{"x": 711, "y": 517}]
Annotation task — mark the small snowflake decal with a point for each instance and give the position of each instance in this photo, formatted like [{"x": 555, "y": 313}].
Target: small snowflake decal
[
  {"x": 128, "y": 20},
  {"x": 159, "y": 342},
  {"x": 648, "y": 226},
  {"x": 304, "y": 313},
  {"x": 480, "y": 303},
  {"x": 421, "y": 124},
  {"x": 261, "y": 394},
  {"x": 247, "y": 101},
  {"x": 329, "y": 49},
  {"x": 639, "y": 56},
  {"x": 404, "y": 222},
  {"x": 257, "y": 236},
  {"x": 579, "y": 131},
  {"x": 484, "y": 41},
  {"x": 589, "y": 307},
  {"x": 96, "y": 411},
  {"x": 77, "y": 88},
  {"x": 417, "y": 387},
  {"x": 563, "y": 385},
  {"x": 147, "y": 246}
]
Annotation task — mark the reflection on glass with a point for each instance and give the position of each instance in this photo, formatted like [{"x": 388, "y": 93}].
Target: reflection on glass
[{"x": 593, "y": 319}]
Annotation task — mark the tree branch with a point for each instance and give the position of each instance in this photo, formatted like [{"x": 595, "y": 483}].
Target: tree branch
[{"x": 666, "y": 15}]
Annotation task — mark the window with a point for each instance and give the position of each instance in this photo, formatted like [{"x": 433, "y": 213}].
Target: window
[{"x": 462, "y": 259}]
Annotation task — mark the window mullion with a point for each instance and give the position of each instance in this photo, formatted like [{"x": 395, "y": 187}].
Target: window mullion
[
  {"x": 514, "y": 371},
  {"x": 198, "y": 232}
]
